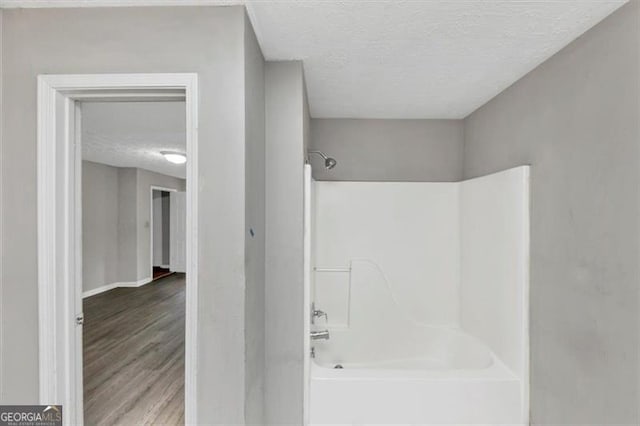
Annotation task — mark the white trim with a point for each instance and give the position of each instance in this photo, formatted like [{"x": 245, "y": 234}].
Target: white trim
[
  {"x": 76, "y": 291},
  {"x": 138, "y": 283},
  {"x": 191, "y": 314},
  {"x": 111, "y": 286},
  {"x": 46, "y": 241},
  {"x": 165, "y": 95},
  {"x": 306, "y": 311},
  {"x": 99, "y": 290},
  {"x": 59, "y": 233},
  {"x": 164, "y": 266},
  {"x": 154, "y": 188}
]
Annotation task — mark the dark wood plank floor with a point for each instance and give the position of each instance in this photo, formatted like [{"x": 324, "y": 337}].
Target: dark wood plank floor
[{"x": 134, "y": 355}]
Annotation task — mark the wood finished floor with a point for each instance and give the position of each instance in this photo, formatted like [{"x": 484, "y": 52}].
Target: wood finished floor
[{"x": 133, "y": 344}]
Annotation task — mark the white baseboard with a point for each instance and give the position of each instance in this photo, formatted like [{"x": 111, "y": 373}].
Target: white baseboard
[
  {"x": 138, "y": 283},
  {"x": 99, "y": 290},
  {"x": 111, "y": 286}
]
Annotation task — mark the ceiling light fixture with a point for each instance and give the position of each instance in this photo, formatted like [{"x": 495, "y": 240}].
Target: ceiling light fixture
[{"x": 174, "y": 157}]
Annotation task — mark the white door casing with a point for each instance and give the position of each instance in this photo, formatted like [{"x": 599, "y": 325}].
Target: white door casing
[
  {"x": 60, "y": 227},
  {"x": 308, "y": 270}
]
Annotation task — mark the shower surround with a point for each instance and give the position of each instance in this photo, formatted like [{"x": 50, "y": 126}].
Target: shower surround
[{"x": 426, "y": 290}]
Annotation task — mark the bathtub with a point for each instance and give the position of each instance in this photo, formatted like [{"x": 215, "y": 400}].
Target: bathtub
[
  {"x": 419, "y": 375},
  {"x": 389, "y": 263}
]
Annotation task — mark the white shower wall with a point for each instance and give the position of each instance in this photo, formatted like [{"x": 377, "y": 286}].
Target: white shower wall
[
  {"x": 495, "y": 263},
  {"x": 410, "y": 231},
  {"x": 441, "y": 254}
]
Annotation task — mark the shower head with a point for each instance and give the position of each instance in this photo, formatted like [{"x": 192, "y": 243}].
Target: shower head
[{"x": 329, "y": 163}]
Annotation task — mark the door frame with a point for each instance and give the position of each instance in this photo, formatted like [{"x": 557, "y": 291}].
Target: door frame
[
  {"x": 60, "y": 229},
  {"x": 151, "y": 189}
]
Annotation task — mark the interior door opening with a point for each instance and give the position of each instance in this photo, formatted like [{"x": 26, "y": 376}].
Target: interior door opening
[
  {"x": 161, "y": 232},
  {"x": 133, "y": 292},
  {"x": 109, "y": 333}
]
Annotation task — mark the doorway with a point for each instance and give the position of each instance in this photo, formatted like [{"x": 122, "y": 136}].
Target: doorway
[
  {"x": 60, "y": 257},
  {"x": 161, "y": 232}
]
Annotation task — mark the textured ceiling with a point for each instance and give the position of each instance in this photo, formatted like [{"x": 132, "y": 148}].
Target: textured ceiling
[
  {"x": 416, "y": 59},
  {"x": 132, "y": 134},
  {"x": 402, "y": 58}
]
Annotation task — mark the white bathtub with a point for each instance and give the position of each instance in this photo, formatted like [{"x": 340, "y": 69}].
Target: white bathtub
[
  {"x": 418, "y": 376},
  {"x": 390, "y": 261}
]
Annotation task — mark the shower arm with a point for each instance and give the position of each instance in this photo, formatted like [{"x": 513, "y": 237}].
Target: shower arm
[
  {"x": 320, "y": 153},
  {"x": 329, "y": 162}
]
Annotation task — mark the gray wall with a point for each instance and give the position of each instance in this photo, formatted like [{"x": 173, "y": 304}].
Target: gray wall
[
  {"x": 205, "y": 40},
  {"x": 99, "y": 225},
  {"x": 575, "y": 119},
  {"x": 116, "y": 198},
  {"x": 127, "y": 224},
  {"x": 285, "y": 140},
  {"x": 255, "y": 227},
  {"x": 402, "y": 150},
  {"x": 2, "y": 233}
]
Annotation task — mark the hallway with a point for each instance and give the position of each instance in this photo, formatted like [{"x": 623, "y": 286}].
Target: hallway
[{"x": 133, "y": 346}]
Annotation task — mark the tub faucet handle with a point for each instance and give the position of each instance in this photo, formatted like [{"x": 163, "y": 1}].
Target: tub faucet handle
[{"x": 317, "y": 313}]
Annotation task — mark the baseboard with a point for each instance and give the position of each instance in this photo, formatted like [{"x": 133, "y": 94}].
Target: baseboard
[
  {"x": 99, "y": 290},
  {"x": 111, "y": 286},
  {"x": 138, "y": 283}
]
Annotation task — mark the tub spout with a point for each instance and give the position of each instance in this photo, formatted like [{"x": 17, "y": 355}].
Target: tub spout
[{"x": 320, "y": 335}]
